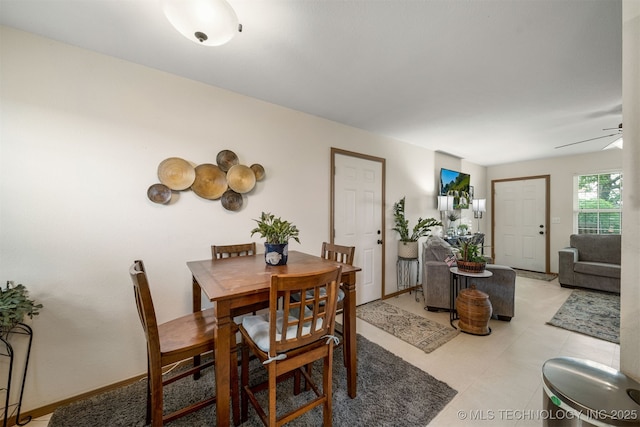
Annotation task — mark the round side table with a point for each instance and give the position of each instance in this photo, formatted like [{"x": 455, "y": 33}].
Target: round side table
[{"x": 460, "y": 280}]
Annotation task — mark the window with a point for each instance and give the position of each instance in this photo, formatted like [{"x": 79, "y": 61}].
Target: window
[{"x": 599, "y": 203}]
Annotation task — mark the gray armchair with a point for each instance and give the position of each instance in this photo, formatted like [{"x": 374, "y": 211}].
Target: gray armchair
[
  {"x": 591, "y": 261},
  {"x": 436, "y": 281}
]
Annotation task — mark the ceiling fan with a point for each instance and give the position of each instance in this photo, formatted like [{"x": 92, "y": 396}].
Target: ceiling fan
[{"x": 616, "y": 143}]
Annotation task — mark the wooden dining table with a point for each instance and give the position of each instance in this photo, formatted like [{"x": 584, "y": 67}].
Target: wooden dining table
[{"x": 239, "y": 285}]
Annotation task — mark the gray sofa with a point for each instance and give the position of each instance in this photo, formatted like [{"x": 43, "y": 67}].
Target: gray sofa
[
  {"x": 591, "y": 261},
  {"x": 436, "y": 281}
]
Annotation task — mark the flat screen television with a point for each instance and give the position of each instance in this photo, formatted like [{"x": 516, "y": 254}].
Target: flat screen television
[{"x": 456, "y": 184}]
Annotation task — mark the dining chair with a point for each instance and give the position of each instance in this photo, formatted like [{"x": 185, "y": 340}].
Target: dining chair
[
  {"x": 221, "y": 252},
  {"x": 343, "y": 254},
  {"x": 286, "y": 340},
  {"x": 172, "y": 342},
  {"x": 227, "y": 251}
]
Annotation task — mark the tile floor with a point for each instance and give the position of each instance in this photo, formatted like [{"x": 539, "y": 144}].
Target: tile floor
[
  {"x": 40, "y": 422},
  {"x": 498, "y": 377}
]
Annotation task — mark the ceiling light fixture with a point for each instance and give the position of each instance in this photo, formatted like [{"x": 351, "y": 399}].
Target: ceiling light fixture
[{"x": 206, "y": 22}]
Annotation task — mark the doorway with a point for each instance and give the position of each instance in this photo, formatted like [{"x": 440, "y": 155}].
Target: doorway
[
  {"x": 520, "y": 222},
  {"x": 357, "y": 217}
]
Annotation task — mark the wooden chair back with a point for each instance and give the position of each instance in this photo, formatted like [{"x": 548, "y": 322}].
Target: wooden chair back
[
  {"x": 146, "y": 311},
  {"x": 339, "y": 253},
  {"x": 306, "y": 324},
  {"x": 310, "y": 316},
  {"x": 227, "y": 251}
]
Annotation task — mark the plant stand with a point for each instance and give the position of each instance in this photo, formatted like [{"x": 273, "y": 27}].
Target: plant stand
[
  {"x": 7, "y": 351},
  {"x": 404, "y": 267}
]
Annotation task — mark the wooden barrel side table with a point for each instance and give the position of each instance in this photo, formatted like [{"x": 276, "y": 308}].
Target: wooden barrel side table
[
  {"x": 459, "y": 280},
  {"x": 474, "y": 311}
]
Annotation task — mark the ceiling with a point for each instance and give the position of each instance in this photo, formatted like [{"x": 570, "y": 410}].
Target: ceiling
[{"x": 490, "y": 81}]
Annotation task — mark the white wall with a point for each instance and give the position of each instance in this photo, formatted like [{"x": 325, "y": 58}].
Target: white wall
[
  {"x": 630, "y": 290},
  {"x": 82, "y": 135},
  {"x": 481, "y": 191},
  {"x": 562, "y": 171}
]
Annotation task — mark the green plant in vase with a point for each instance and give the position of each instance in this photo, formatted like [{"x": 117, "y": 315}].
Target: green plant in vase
[
  {"x": 15, "y": 305},
  {"x": 408, "y": 247},
  {"x": 452, "y": 217},
  {"x": 470, "y": 258},
  {"x": 277, "y": 233}
]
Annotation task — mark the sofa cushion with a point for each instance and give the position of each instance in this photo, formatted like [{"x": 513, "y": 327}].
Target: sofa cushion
[
  {"x": 597, "y": 269},
  {"x": 436, "y": 249},
  {"x": 598, "y": 247}
]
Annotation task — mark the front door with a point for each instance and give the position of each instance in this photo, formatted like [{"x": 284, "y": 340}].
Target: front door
[
  {"x": 520, "y": 223},
  {"x": 357, "y": 217}
]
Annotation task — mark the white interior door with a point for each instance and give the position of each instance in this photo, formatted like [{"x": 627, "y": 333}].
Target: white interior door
[
  {"x": 357, "y": 219},
  {"x": 520, "y": 228}
]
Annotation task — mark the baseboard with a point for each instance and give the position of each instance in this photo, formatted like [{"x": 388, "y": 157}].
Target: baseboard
[{"x": 48, "y": 409}]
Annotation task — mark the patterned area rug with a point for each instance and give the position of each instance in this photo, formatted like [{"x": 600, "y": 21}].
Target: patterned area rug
[
  {"x": 596, "y": 314},
  {"x": 418, "y": 331},
  {"x": 535, "y": 275},
  {"x": 391, "y": 392}
]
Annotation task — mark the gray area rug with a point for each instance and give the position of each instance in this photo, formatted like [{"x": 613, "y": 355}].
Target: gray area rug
[
  {"x": 391, "y": 392},
  {"x": 535, "y": 275},
  {"x": 596, "y": 314},
  {"x": 418, "y": 331}
]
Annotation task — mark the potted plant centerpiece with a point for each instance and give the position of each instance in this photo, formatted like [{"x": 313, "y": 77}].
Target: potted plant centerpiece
[
  {"x": 451, "y": 229},
  {"x": 277, "y": 233},
  {"x": 469, "y": 258},
  {"x": 408, "y": 245},
  {"x": 15, "y": 305}
]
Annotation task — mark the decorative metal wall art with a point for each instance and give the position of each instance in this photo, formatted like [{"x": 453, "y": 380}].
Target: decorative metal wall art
[{"x": 226, "y": 181}]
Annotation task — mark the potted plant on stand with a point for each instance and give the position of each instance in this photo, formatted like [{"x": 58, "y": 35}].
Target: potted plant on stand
[
  {"x": 408, "y": 245},
  {"x": 451, "y": 229},
  {"x": 15, "y": 305},
  {"x": 469, "y": 259},
  {"x": 277, "y": 233}
]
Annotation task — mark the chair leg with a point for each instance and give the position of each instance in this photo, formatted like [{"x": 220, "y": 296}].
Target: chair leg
[
  {"x": 234, "y": 381},
  {"x": 296, "y": 383},
  {"x": 297, "y": 379},
  {"x": 327, "y": 409},
  {"x": 309, "y": 369},
  {"x": 244, "y": 381},
  {"x": 273, "y": 382},
  {"x": 157, "y": 404},
  {"x": 196, "y": 362},
  {"x": 148, "y": 415}
]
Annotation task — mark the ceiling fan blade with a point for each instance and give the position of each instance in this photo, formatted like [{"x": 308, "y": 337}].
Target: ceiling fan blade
[
  {"x": 615, "y": 110},
  {"x": 586, "y": 140}
]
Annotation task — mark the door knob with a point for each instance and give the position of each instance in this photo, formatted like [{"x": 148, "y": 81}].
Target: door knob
[
  {"x": 541, "y": 232},
  {"x": 379, "y": 242}
]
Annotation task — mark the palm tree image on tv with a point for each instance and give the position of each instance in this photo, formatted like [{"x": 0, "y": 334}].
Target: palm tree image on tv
[{"x": 456, "y": 184}]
